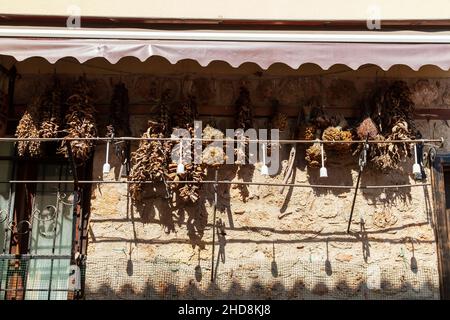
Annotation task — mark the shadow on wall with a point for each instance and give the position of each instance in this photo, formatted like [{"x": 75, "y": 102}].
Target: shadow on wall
[
  {"x": 157, "y": 207},
  {"x": 261, "y": 290},
  {"x": 389, "y": 196},
  {"x": 257, "y": 279}
]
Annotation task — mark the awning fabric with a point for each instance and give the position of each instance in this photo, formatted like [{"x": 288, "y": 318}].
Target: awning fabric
[{"x": 264, "y": 54}]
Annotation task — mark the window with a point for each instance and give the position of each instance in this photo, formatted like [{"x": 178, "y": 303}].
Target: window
[{"x": 37, "y": 221}]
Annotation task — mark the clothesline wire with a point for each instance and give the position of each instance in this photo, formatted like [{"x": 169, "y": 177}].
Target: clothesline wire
[
  {"x": 270, "y": 141},
  {"x": 225, "y": 182}
]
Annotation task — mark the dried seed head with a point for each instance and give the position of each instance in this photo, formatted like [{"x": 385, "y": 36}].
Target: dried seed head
[{"x": 314, "y": 156}]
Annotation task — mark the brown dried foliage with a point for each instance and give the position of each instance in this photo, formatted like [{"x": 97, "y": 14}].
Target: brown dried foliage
[
  {"x": 148, "y": 162},
  {"x": 80, "y": 122},
  {"x": 28, "y": 127}
]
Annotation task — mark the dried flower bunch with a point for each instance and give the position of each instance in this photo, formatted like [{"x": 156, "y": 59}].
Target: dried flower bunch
[
  {"x": 213, "y": 155},
  {"x": 80, "y": 122},
  {"x": 367, "y": 128},
  {"x": 149, "y": 161},
  {"x": 28, "y": 127},
  {"x": 337, "y": 134},
  {"x": 314, "y": 156}
]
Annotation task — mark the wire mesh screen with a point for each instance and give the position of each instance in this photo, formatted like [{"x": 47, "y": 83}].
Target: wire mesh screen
[
  {"x": 38, "y": 279},
  {"x": 162, "y": 279}
]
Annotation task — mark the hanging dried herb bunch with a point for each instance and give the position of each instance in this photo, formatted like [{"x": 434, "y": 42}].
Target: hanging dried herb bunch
[
  {"x": 164, "y": 112},
  {"x": 193, "y": 172},
  {"x": 148, "y": 162},
  {"x": 28, "y": 127},
  {"x": 51, "y": 112},
  {"x": 386, "y": 156},
  {"x": 80, "y": 122},
  {"x": 3, "y": 112},
  {"x": 314, "y": 156},
  {"x": 307, "y": 132},
  {"x": 184, "y": 118},
  {"x": 319, "y": 118},
  {"x": 119, "y": 110},
  {"x": 244, "y": 112},
  {"x": 396, "y": 106},
  {"x": 394, "y": 110},
  {"x": 187, "y": 112},
  {"x": 191, "y": 191},
  {"x": 279, "y": 120}
]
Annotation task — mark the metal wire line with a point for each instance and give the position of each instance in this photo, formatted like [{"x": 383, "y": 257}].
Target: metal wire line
[
  {"x": 226, "y": 182},
  {"x": 10, "y": 139}
]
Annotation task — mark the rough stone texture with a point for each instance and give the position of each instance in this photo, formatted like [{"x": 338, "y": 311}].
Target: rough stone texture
[{"x": 292, "y": 246}]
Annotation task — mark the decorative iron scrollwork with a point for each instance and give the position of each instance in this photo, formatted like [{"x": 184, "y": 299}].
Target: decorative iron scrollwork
[
  {"x": 13, "y": 225},
  {"x": 48, "y": 214},
  {"x": 49, "y": 229},
  {"x": 3, "y": 216},
  {"x": 63, "y": 197}
]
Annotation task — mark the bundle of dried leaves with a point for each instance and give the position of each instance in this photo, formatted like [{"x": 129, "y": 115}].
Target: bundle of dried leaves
[
  {"x": 3, "y": 112},
  {"x": 191, "y": 191},
  {"x": 393, "y": 104},
  {"x": 319, "y": 118},
  {"x": 119, "y": 110},
  {"x": 149, "y": 161},
  {"x": 192, "y": 171},
  {"x": 164, "y": 112},
  {"x": 80, "y": 122},
  {"x": 187, "y": 112},
  {"x": 394, "y": 112},
  {"x": 28, "y": 127},
  {"x": 279, "y": 120},
  {"x": 244, "y": 112},
  {"x": 51, "y": 112},
  {"x": 386, "y": 156}
]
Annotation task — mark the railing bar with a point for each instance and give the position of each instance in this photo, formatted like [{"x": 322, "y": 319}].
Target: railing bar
[
  {"x": 21, "y": 289},
  {"x": 283, "y": 141},
  {"x": 27, "y": 256},
  {"x": 229, "y": 183}
]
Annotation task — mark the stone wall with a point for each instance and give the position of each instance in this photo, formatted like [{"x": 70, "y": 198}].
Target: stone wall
[
  {"x": 293, "y": 245},
  {"x": 296, "y": 241}
]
